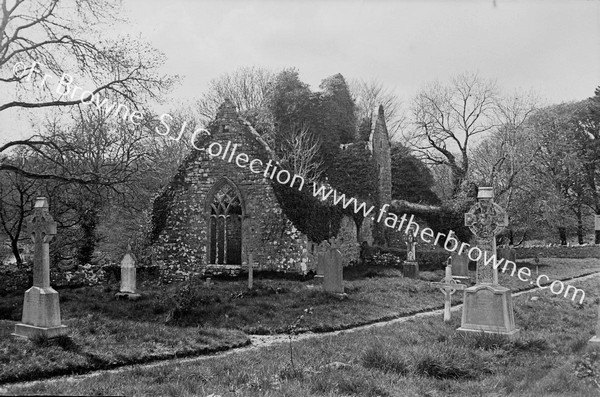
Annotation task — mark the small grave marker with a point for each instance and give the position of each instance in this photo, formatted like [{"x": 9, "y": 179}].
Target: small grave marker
[
  {"x": 410, "y": 267},
  {"x": 128, "y": 277},
  {"x": 448, "y": 286}
]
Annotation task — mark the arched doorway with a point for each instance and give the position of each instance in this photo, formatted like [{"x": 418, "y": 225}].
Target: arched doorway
[{"x": 225, "y": 225}]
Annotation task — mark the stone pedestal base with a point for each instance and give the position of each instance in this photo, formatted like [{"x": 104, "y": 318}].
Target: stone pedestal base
[
  {"x": 128, "y": 295},
  {"x": 488, "y": 308},
  {"x": 410, "y": 269},
  {"x": 594, "y": 340},
  {"x": 31, "y": 331},
  {"x": 41, "y": 314}
]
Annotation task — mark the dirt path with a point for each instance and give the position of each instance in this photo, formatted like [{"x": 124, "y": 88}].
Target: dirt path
[{"x": 261, "y": 341}]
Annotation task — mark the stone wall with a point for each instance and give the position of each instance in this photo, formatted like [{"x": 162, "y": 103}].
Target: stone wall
[
  {"x": 181, "y": 243},
  {"x": 380, "y": 144}
]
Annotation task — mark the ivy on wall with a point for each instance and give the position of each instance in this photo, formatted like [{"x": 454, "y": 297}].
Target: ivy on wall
[{"x": 317, "y": 220}]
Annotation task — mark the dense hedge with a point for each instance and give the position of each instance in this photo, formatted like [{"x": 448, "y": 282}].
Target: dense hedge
[
  {"x": 316, "y": 219},
  {"x": 428, "y": 260},
  {"x": 19, "y": 278},
  {"x": 588, "y": 251}
]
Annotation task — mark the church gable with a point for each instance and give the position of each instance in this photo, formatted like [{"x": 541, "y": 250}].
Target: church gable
[{"x": 216, "y": 213}]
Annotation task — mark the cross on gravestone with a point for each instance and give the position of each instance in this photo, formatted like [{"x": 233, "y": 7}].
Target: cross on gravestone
[
  {"x": 448, "y": 286},
  {"x": 487, "y": 306},
  {"x": 41, "y": 311},
  {"x": 410, "y": 267},
  {"x": 486, "y": 219}
]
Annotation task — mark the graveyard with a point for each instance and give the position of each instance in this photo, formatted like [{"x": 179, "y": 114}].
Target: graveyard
[{"x": 301, "y": 198}]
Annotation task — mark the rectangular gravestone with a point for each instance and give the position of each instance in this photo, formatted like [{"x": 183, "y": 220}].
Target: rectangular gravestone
[
  {"x": 333, "y": 277},
  {"x": 508, "y": 254},
  {"x": 460, "y": 265},
  {"x": 321, "y": 264}
]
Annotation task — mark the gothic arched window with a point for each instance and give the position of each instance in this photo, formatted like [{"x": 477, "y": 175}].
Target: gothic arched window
[{"x": 225, "y": 226}]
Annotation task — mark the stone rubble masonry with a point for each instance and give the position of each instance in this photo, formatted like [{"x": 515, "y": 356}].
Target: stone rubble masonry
[
  {"x": 381, "y": 147},
  {"x": 181, "y": 246}
]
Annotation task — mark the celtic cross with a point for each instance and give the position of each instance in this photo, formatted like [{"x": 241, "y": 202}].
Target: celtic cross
[
  {"x": 42, "y": 229},
  {"x": 486, "y": 219}
]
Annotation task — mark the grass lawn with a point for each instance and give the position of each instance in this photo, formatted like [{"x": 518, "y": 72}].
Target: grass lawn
[
  {"x": 100, "y": 342},
  {"x": 420, "y": 357},
  {"x": 192, "y": 319}
]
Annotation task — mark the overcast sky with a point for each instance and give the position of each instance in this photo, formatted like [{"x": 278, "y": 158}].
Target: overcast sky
[{"x": 552, "y": 47}]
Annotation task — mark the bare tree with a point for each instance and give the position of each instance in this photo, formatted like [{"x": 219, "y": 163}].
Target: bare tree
[
  {"x": 16, "y": 196},
  {"x": 500, "y": 159},
  {"x": 369, "y": 95},
  {"x": 246, "y": 87},
  {"x": 447, "y": 117},
  {"x": 301, "y": 154},
  {"x": 42, "y": 43}
]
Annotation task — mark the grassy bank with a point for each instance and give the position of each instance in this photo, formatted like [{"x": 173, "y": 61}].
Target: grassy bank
[
  {"x": 98, "y": 342},
  {"x": 417, "y": 357},
  {"x": 373, "y": 293},
  {"x": 193, "y": 319}
]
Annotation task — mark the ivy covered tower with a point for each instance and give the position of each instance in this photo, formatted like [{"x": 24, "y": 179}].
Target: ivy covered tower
[{"x": 381, "y": 148}]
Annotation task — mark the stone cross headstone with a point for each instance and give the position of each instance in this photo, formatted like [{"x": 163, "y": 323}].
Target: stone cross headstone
[
  {"x": 486, "y": 219},
  {"x": 250, "y": 271},
  {"x": 410, "y": 267},
  {"x": 448, "y": 286},
  {"x": 41, "y": 311},
  {"x": 333, "y": 277},
  {"x": 487, "y": 305},
  {"x": 411, "y": 244},
  {"x": 128, "y": 288}
]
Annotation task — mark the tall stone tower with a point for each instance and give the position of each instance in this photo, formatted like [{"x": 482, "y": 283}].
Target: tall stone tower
[{"x": 381, "y": 148}]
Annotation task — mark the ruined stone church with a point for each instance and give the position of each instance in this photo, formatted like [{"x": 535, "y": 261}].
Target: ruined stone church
[{"x": 214, "y": 214}]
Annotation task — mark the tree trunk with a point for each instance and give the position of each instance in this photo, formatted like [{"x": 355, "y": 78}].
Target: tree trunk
[
  {"x": 15, "y": 250},
  {"x": 89, "y": 224},
  {"x": 562, "y": 235},
  {"x": 579, "y": 228}
]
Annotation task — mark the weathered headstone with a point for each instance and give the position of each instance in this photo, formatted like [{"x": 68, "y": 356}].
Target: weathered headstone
[
  {"x": 331, "y": 264},
  {"x": 487, "y": 305},
  {"x": 318, "y": 279},
  {"x": 460, "y": 263},
  {"x": 507, "y": 253},
  {"x": 41, "y": 311},
  {"x": 596, "y": 338},
  {"x": 128, "y": 287},
  {"x": 448, "y": 286},
  {"x": 333, "y": 280},
  {"x": 410, "y": 267},
  {"x": 460, "y": 266},
  {"x": 250, "y": 271}
]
